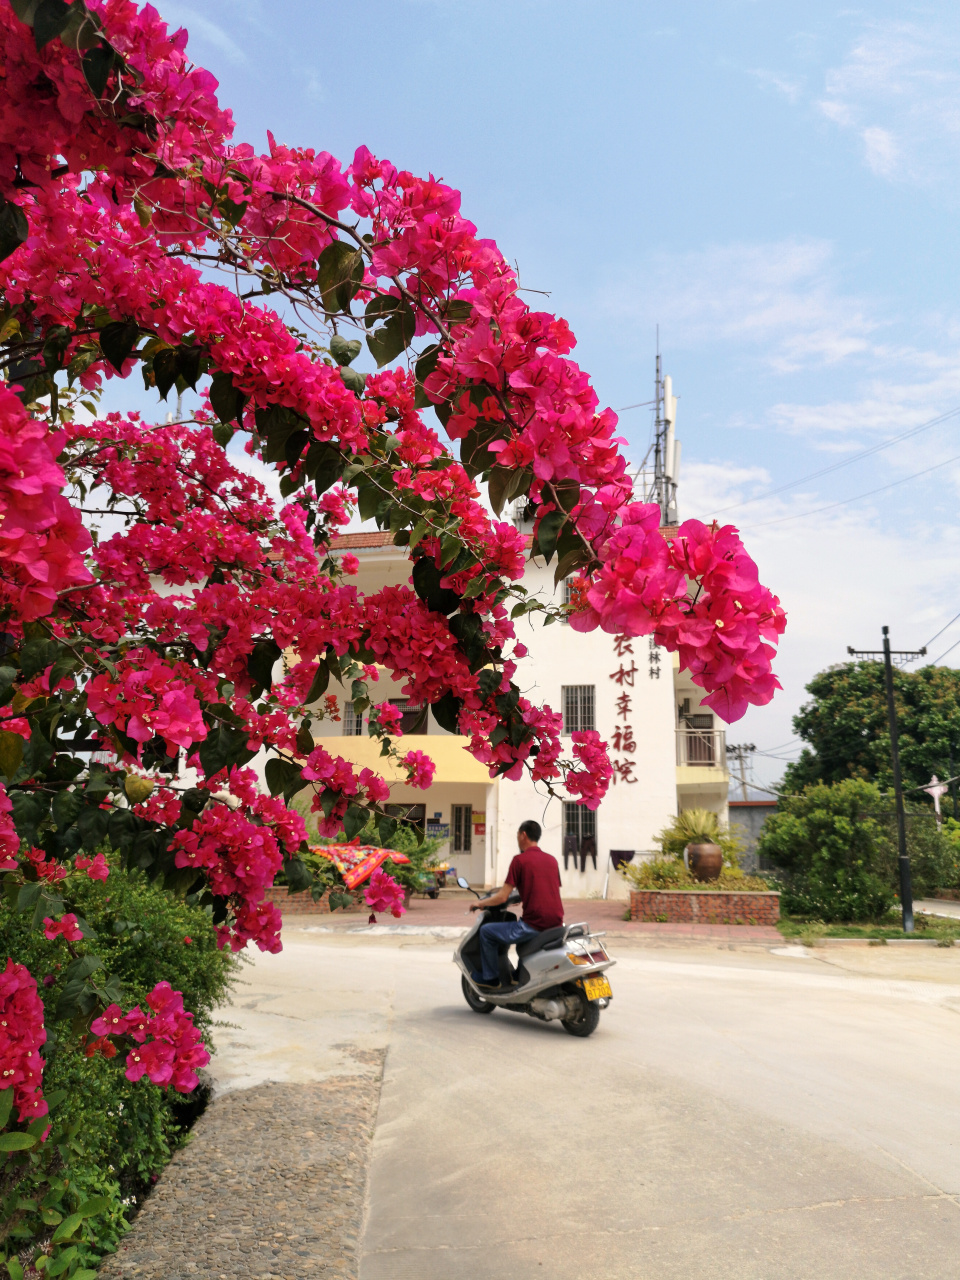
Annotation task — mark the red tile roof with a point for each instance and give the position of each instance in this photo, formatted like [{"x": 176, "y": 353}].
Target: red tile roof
[{"x": 347, "y": 541}]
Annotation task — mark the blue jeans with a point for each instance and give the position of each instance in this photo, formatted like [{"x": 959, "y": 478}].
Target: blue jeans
[{"x": 495, "y": 938}]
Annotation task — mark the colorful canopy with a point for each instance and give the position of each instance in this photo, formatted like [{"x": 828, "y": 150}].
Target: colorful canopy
[{"x": 357, "y": 862}]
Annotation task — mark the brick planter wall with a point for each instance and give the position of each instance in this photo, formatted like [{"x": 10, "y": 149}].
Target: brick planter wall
[
  {"x": 704, "y": 906},
  {"x": 302, "y": 904}
]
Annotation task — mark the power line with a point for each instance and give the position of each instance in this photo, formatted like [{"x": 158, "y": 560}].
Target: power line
[
  {"x": 846, "y": 462},
  {"x": 941, "y": 631},
  {"x": 860, "y": 496},
  {"x": 945, "y": 652}
]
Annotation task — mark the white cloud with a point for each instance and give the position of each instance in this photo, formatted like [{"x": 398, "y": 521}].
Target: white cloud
[
  {"x": 840, "y": 577},
  {"x": 203, "y": 32},
  {"x": 783, "y": 297},
  {"x": 787, "y": 86},
  {"x": 898, "y": 89}
]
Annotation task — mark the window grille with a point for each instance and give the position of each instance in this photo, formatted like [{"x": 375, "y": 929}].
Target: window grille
[
  {"x": 412, "y": 719},
  {"x": 462, "y": 827},
  {"x": 352, "y": 721},
  {"x": 578, "y": 707}
]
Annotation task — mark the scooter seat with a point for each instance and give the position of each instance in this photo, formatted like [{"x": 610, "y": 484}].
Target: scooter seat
[{"x": 542, "y": 940}]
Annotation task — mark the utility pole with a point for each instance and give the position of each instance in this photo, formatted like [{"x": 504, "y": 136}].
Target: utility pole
[
  {"x": 953, "y": 783},
  {"x": 905, "y": 655},
  {"x": 740, "y": 752}
]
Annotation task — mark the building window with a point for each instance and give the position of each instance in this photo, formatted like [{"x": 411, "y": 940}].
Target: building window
[
  {"x": 578, "y": 703},
  {"x": 579, "y": 834},
  {"x": 415, "y": 814},
  {"x": 567, "y": 597},
  {"x": 352, "y": 721},
  {"x": 462, "y": 827},
  {"x": 701, "y": 741},
  {"x": 412, "y": 715}
]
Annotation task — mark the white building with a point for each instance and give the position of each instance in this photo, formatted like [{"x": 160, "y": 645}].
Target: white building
[{"x": 668, "y": 753}]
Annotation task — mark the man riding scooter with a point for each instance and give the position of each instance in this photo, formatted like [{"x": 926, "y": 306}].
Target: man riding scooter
[{"x": 536, "y": 877}]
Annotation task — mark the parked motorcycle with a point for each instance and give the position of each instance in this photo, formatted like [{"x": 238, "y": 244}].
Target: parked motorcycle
[{"x": 560, "y": 973}]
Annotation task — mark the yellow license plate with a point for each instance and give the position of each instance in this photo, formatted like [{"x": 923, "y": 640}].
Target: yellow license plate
[{"x": 596, "y": 987}]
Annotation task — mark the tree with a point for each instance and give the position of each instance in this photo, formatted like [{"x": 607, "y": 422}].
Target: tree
[
  {"x": 148, "y": 584},
  {"x": 847, "y": 727}
]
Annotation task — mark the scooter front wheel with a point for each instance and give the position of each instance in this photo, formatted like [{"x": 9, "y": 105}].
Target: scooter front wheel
[
  {"x": 474, "y": 1000},
  {"x": 586, "y": 1022}
]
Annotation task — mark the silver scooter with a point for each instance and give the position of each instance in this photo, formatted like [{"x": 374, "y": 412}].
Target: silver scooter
[{"x": 560, "y": 974}]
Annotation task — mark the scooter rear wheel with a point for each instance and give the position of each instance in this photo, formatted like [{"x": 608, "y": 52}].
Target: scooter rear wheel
[
  {"x": 587, "y": 1022},
  {"x": 475, "y": 1001}
]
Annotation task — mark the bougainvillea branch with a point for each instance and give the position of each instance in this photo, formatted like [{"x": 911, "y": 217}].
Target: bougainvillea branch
[{"x": 139, "y": 678}]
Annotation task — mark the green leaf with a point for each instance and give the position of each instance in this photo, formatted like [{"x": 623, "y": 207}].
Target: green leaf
[
  {"x": 354, "y": 820},
  {"x": 67, "y": 1228},
  {"x": 49, "y": 20},
  {"x": 6, "y": 1106},
  {"x": 548, "y": 531},
  {"x": 81, "y": 969},
  {"x": 66, "y": 808},
  {"x": 165, "y": 370},
  {"x": 283, "y": 776},
  {"x": 387, "y": 342},
  {"x": 262, "y": 660},
  {"x": 297, "y": 875},
  {"x": 16, "y": 1141},
  {"x": 223, "y": 433},
  {"x": 353, "y": 380},
  {"x": 344, "y": 352},
  {"x": 368, "y": 500},
  {"x": 118, "y": 339},
  {"x": 420, "y": 531},
  {"x": 11, "y": 752},
  {"x": 7, "y": 677},
  {"x": 446, "y": 712},
  {"x": 15, "y": 1269},
  {"x": 96, "y": 1204},
  {"x": 319, "y": 685},
  {"x": 425, "y": 365},
  {"x": 426, "y": 583},
  {"x": 97, "y": 64},
  {"x": 62, "y": 1262},
  {"x": 339, "y": 275},
  {"x": 188, "y": 364},
  {"x": 304, "y": 739},
  {"x": 458, "y": 311},
  {"x": 226, "y": 400},
  {"x": 14, "y": 228},
  {"x": 324, "y": 464}
]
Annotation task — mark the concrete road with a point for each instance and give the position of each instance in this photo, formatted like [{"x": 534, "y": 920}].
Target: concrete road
[{"x": 751, "y": 1113}]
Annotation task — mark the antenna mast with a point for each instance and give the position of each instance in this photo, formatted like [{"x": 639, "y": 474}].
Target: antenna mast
[{"x": 661, "y": 487}]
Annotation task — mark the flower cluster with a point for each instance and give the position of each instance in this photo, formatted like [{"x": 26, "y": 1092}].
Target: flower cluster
[
  {"x": 382, "y": 893},
  {"x": 42, "y": 537},
  {"x": 167, "y": 1046},
  {"x": 21, "y": 1035},
  {"x": 169, "y": 641},
  {"x": 724, "y": 633},
  {"x": 66, "y": 927}
]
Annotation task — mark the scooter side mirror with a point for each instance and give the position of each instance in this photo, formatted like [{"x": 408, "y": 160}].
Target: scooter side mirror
[{"x": 463, "y": 882}]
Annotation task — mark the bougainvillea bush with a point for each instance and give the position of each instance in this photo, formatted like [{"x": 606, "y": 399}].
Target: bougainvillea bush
[{"x": 150, "y": 586}]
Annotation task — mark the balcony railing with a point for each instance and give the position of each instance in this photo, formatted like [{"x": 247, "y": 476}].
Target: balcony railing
[{"x": 703, "y": 748}]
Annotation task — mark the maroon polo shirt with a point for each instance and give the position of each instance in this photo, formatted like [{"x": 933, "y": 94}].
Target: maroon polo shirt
[{"x": 536, "y": 877}]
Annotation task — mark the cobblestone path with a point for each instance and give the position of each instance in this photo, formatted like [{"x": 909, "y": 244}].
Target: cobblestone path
[{"x": 271, "y": 1187}]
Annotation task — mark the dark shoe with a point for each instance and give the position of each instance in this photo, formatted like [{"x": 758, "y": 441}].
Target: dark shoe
[{"x": 492, "y": 985}]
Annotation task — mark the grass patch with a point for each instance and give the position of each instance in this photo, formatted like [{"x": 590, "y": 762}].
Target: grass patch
[{"x": 931, "y": 928}]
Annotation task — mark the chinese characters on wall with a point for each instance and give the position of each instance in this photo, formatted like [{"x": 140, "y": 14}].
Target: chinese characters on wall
[{"x": 623, "y": 743}]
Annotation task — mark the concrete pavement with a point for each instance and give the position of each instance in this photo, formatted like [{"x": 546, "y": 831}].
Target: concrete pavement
[{"x": 765, "y": 1113}]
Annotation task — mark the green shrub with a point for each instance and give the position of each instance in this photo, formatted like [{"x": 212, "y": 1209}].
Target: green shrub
[
  {"x": 670, "y": 873},
  {"x": 836, "y": 857},
  {"x": 121, "y": 1134}
]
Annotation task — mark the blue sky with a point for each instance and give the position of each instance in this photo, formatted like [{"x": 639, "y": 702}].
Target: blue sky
[{"x": 775, "y": 184}]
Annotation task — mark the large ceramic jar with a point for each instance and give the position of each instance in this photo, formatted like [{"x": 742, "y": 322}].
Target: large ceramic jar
[{"x": 705, "y": 861}]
